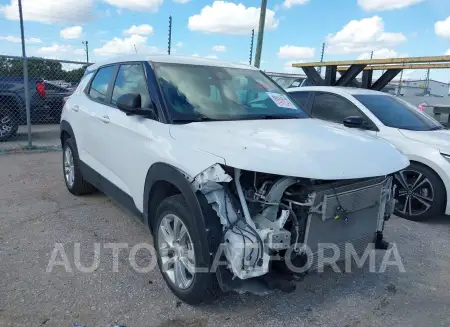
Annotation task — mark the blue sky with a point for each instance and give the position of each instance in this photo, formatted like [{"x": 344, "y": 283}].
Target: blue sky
[{"x": 295, "y": 29}]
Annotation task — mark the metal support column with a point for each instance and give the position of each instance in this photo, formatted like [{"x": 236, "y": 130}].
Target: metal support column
[
  {"x": 367, "y": 79},
  {"x": 314, "y": 76},
  {"x": 350, "y": 74},
  {"x": 385, "y": 79},
  {"x": 330, "y": 75}
]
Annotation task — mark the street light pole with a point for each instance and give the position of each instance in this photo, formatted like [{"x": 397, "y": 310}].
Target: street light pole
[
  {"x": 25, "y": 76},
  {"x": 87, "y": 50},
  {"x": 259, "y": 44}
]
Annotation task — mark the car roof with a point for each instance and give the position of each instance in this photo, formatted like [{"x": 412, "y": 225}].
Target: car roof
[
  {"x": 161, "y": 58},
  {"x": 336, "y": 89}
]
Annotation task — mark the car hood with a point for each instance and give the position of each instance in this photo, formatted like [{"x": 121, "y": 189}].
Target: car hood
[
  {"x": 439, "y": 138},
  {"x": 293, "y": 147}
]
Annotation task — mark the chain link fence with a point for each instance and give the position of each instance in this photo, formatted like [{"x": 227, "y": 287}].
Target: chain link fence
[{"x": 50, "y": 82}]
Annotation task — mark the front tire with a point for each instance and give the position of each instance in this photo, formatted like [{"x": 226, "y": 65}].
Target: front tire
[
  {"x": 73, "y": 177},
  {"x": 421, "y": 193},
  {"x": 179, "y": 249}
]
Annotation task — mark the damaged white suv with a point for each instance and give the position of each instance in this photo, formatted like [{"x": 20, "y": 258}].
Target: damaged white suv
[{"x": 238, "y": 184}]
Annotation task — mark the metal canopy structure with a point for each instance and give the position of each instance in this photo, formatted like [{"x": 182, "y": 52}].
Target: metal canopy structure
[{"x": 349, "y": 69}]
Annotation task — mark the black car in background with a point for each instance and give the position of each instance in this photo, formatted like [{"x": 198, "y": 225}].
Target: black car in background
[{"x": 46, "y": 103}]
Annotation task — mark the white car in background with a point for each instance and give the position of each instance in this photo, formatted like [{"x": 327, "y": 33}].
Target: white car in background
[{"x": 424, "y": 186}]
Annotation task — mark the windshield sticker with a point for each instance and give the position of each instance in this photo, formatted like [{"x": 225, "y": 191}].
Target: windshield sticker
[{"x": 281, "y": 100}]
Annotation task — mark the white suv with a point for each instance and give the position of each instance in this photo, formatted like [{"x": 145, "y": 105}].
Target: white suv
[{"x": 225, "y": 169}]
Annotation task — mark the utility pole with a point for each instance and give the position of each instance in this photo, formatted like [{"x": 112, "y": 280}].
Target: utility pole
[
  {"x": 319, "y": 70},
  {"x": 251, "y": 47},
  {"x": 371, "y": 55},
  {"x": 259, "y": 44},
  {"x": 170, "y": 35},
  {"x": 25, "y": 76},
  {"x": 86, "y": 44},
  {"x": 135, "y": 50},
  {"x": 427, "y": 82}
]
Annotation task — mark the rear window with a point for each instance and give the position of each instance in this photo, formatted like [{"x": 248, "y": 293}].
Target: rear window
[
  {"x": 99, "y": 85},
  {"x": 396, "y": 113}
]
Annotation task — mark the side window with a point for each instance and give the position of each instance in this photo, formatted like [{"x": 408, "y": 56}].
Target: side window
[
  {"x": 131, "y": 79},
  {"x": 301, "y": 98},
  {"x": 99, "y": 85},
  {"x": 333, "y": 108}
]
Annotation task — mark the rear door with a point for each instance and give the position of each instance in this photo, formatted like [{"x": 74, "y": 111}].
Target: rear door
[
  {"x": 92, "y": 114},
  {"x": 334, "y": 108}
]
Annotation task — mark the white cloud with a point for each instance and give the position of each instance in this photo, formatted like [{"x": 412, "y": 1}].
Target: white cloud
[
  {"x": 292, "y": 51},
  {"x": 448, "y": 52},
  {"x": 230, "y": 18},
  {"x": 55, "y": 48},
  {"x": 73, "y": 32},
  {"x": 143, "y": 29},
  {"x": 15, "y": 39},
  {"x": 126, "y": 46},
  {"x": 289, "y": 69},
  {"x": 362, "y": 36},
  {"x": 219, "y": 48},
  {"x": 181, "y": 1},
  {"x": 380, "y": 54},
  {"x": 179, "y": 44},
  {"x": 442, "y": 28},
  {"x": 290, "y": 3},
  {"x": 211, "y": 57},
  {"x": 55, "y": 51},
  {"x": 195, "y": 55},
  {"x": 50, "y": 11},
  {"x": 380, "y": 5},
  {"x": 137, "y": 5}
]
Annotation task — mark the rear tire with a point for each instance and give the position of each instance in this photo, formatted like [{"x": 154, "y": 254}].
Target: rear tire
[
  {"x": 8, "y": 125},
  {"x": 203, "y": 285},
  {"x": 73, "y": 177},
  {"x": 421, "y": 193}
]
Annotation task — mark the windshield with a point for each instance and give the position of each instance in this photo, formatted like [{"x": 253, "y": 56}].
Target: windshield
[
  {"x": 196, "y": 93},
  {"x": 394, "y": 112}
]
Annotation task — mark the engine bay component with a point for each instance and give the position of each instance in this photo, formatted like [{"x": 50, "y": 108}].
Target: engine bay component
[{"x": 265, "y": 215}]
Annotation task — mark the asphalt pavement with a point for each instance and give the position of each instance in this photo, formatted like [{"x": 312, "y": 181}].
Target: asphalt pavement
[{"x": 37, "y": 212}]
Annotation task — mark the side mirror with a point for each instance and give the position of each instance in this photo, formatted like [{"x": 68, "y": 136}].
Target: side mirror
[
  {"x": 354, "y": 122},
  {"x": 129, "y": 102}
]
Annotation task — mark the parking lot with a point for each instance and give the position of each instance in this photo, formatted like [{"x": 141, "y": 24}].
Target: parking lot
[{"x": 36, "y": 211}]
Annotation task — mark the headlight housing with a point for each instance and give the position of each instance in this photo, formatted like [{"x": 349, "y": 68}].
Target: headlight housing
[{"x": 446, "y": 156}]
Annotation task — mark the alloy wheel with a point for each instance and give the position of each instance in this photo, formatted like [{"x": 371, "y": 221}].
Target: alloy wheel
[
  {"x": 69, "y": 168},
  {"x": 176, "y": 251},
  {"x": 415, "y": 193}
]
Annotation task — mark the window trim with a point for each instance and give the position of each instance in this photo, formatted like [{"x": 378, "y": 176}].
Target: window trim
[
  {"x": 371, "y": 125},
  {"x": 128, "y": 63},
  {"x": 108, "y": 90}
]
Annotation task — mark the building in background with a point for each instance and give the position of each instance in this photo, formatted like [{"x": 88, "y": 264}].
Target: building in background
[{"x": 419, "y": 88}]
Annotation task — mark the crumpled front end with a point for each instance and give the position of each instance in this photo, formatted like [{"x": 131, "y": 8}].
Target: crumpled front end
[{"x": 267, "y": 218}]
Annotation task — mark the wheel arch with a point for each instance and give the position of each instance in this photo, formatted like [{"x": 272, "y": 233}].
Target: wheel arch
[
  {"x": 164, "y": 180},
  {"x": 66, "y": 132},
  {"x": 17, "y": 101}
]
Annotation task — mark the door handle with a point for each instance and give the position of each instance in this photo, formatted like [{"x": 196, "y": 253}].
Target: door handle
[
  {"x": 104, "y": 119},
  {"x": 75, "y": 108}
]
